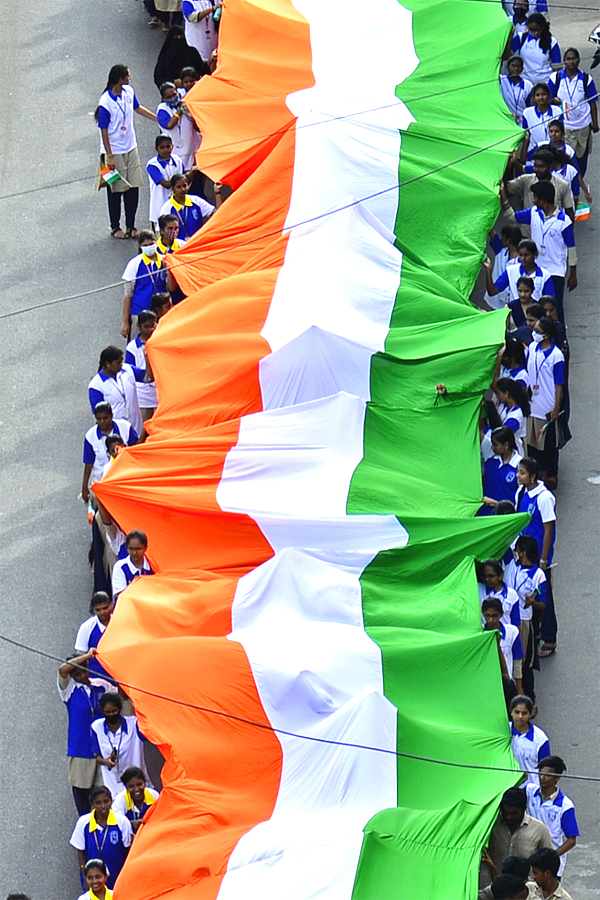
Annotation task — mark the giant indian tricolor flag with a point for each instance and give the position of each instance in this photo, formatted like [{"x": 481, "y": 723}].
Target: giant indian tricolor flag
[{"x": 312, "y": 638}]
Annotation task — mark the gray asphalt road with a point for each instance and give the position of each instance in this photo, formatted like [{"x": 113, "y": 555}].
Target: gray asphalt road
[{"x": 54, "y": 61}]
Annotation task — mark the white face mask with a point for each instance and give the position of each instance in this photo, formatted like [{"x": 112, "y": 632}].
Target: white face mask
[
  {"x": 149, "y": 249},
  {"x": 538, "y": 338}
]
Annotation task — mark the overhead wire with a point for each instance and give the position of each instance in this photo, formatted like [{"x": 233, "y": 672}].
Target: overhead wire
[
  {"x": 261, "y": 137},
  {"x": 281, "y": 731},
  {"x": 276, "y": 232}
]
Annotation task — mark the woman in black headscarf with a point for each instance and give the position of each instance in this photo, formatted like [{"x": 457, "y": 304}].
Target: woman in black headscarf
[{"x": 174, "y": 56}]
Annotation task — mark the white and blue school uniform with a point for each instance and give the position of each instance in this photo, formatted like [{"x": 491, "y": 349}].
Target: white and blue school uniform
[
  {"x": 191, "y": 215},
  {"x": 501, "y": 261},
  {"x": 540, "y": 6},
  {"x": 517, "y": 374},
  {"x": 515, "y": 419},
  {"x": 201, "y": 35},
  {"x": 529, "y": 749},
  {"x": 186, "y": 139},
  {"x": 88, "y": 636},
  {"x": 81, "y": 701},
  {"x": 542, "y": 282},
  {"x": 146, "y": 391},
  {"x": 558, "y": 815},
  {"x": 149, "y": 277},
  {"x": 120, "y": 392},
  {"x": 553, "y": 236},
  {"x": 526, "y": 580},
  {"x": 510, "y": 644},
  {"x": 510, "y": 604},
  {"x": 571, "y": 176},
  {"x": 516, "y": 94},
  {"x": 537, "y": 63},
  {"x": 499, "y": 478},
  {"x": 115, "y": 113},
  {"x": 573, "y": 94},
  {"x": 129, "y": 744},
  {"x": 546, "y": 370},
  {"x": 108, "y": 843},
  {"x": 94, "y": 445},
  {"x": 566, "y": 148},
  {"x": 537, "y": 124},
  {"x": 540, "y": 503},
  {"x": 124, "y": 804},
  {"x": 159, "y": 169},
  {"x": 125, "y": 572}
]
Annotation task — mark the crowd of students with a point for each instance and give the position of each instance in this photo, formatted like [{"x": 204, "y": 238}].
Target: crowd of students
[{"x": 523, "y": 428}]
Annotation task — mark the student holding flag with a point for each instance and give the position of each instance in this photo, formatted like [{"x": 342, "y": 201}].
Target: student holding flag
[{"x": 118, "y": 149}]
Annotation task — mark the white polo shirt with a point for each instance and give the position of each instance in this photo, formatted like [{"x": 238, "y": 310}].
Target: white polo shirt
[
  {"x": 510, "y": 604},
  {"x": 537, "y": 63},
  {"x": 158, "y": 169},
  {"x": 128, "y": 743},
  {"x": 553, "y": 236},
  {"x": 203, "y": 34},
  {"x": 573, "y": 92},
  {"x": 115, "y": 113},
  {"x": 546, "y": 370},
  {"x": 515, "y": 95},
  {"x": 94, "y": 445},
  {"x": 529, "y": 749},
  {"x": 525, "y": 581},
  {"x": 120, "y": 392},
  {"x": 558, "y": 815},
  {"x": 146, "y": 390},
  {"x": 537, "y": 123},
  {"x": 125, "y": 572},
  {"x": 510, "y": 644}
]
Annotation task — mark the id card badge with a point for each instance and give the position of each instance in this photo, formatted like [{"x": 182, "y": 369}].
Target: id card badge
[
  {"x": 542, "y": 248},
  {"x": 123, "y": 129},
  {"x": 535, "y": 389}
]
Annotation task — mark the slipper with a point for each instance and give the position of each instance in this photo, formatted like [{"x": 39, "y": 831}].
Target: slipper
[
  {"x": 119, "y": 235},
  {"x": 153, "y": 22},
  {"x": 547, "y": 650},
  {"x": 132, "y": 233}
]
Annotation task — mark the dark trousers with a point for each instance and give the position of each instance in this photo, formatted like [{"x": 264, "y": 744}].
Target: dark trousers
[
  {"x": 130, "y": 200},
  {"x": 559, "y": 289},
  {"x": 81, "y": 796},
  {"x": 549, "y": 620},
  {"x": 547, "y": 459}
]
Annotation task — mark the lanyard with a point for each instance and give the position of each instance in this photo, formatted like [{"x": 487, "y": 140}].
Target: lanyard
[
  {"x": 122, "y": 109},
  {"x": 520, "y": 89},
  {"x": 570, "y": 92},
  {"x": 152, "y": 273},
  {"x": 120, "y": 387},
  {"x": 100, "y": 846},
  {"x": 551, "y": 221},
  {"x": 539, "y": 367}
]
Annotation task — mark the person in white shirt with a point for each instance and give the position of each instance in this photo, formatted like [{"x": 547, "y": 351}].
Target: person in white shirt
[
  {"x": 160, "y": 169},
  {"x": 117, "y": 743},
  {"x": 96, "y": 877},
  {"x": 529, "y": 743},
  {"x": 95, "y": 456},
  {"x": 549, "y": 805},
  {"x": 134, "y": 565},
  {"x": 574, "y": 87},
  {"x": 135, "y": 355},
  {"x": 529, "y": 581},
  {"x": 536, "y": 120},
  {"x": 546, "y": 368},
  {"x": 200, "y": 26},
  {"x": 173, "y": 118},
  {"x": 509, "y": 642},
  {"x": 515, "y": 89},
  {"x": 118, "y": 147},
  {"x": 115, "y": 383},
  {"x": 538, "y": 48}
]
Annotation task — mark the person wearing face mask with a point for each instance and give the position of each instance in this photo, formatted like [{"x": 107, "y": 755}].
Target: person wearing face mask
[
  {"x": 191, "y": 211},
  {"x": 168, "y": 242},
  {"x": 117, "y": 743},
  {"x": 546, "y": 368},
  {"x": 174, "y": 120},
  {"x": 144, "y": 275}
]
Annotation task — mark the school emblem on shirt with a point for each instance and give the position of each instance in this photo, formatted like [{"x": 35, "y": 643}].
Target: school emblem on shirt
[
  {"x": 114, "y": 837},
  {"x": 511, "y": 476}
]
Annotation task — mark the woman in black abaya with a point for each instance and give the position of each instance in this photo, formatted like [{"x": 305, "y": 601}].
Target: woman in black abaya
[{"x": 175, "y": 55}]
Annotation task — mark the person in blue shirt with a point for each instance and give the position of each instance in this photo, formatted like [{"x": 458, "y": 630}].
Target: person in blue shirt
[
  {"x": 102, "y": 834},
  {"x": 81, "y": 695},
  {"x": 90, "y": 631},
  {"x": 137, "y": 798},
  {"x": 144, "y": 275},
  {"x": 500, "y": 470}
]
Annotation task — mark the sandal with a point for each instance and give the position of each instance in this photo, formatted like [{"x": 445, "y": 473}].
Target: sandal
[
  {"x": 153, "y": 22},
  {"x": 132, "y": 233},
  {"x": 547, "y": 650},
  {"x": 119, "y": 234}
]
